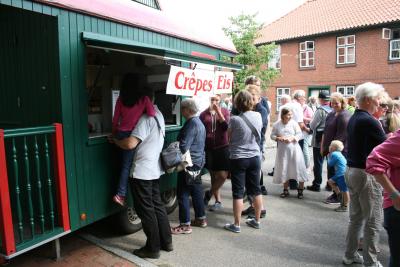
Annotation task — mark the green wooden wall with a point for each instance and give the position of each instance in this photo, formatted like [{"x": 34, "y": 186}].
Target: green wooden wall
[
  {"x": 90, "y": 180},
  {"x": 28, "y": 69}
]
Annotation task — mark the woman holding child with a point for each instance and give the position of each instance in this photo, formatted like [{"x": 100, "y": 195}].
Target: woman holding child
[{"x": 291, "y": 165}]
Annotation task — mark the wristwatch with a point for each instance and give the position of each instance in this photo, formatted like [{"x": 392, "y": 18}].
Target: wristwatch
[{"x": 394, "y": 195}]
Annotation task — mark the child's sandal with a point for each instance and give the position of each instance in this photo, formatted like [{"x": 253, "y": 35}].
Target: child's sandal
[
  {"x": 300, "y": 193},
  {"x": 285, "y": 193}
]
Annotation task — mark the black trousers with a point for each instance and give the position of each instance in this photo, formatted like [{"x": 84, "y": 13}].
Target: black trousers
[{"x": 151, "y": 210}]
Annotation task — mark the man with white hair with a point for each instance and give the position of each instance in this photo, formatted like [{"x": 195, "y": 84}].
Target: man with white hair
[{"x": 364, "y": 132}]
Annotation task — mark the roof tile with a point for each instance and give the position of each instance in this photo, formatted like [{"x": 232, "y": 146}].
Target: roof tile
[{"x": 322, "y": 16}]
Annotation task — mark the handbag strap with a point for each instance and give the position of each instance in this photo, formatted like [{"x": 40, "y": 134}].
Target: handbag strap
[
  {"x": 159, "y": 126},
  {"x": 252, "y": 128}
]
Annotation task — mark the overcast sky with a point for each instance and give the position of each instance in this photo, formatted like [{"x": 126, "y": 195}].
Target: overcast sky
[{"x": 214, "y": 14}]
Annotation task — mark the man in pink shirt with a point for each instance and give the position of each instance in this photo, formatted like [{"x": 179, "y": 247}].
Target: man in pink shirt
[{"x": 384, "y": 164}]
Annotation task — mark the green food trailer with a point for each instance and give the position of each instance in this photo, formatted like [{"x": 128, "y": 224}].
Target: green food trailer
[{"x": 61, "y": 66}]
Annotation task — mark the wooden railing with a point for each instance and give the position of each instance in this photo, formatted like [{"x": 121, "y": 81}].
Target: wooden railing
[{"x": 33, "y": 195}]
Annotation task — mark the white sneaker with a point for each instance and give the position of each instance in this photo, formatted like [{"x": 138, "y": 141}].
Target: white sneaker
[{"x": 357, "y": 259}]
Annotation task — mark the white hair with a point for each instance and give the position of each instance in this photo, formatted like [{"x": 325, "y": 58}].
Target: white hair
[
  {"x": 286, "y": 98},
  {"x": 368, "y": 90},
  {"x": 298, "y": 93},
  {"x": 190, "y": 104}
]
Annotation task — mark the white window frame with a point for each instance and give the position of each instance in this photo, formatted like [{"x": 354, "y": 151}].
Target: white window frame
[
  {"x": 346, "y": 46},
  {"x": 391, "y": 44},
  {"x": 308, "y": 52},
  {"x": 280, "y": 91},
  {"x": 344, "y": 90},
  {"x": 392, "y": 50},
  {"x": 275, "y": 61}
]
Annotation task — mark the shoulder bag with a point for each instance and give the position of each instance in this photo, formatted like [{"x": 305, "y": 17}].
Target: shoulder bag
[
  {"x": 252, "y": 128},
  {"x": 171, "y": 156}
]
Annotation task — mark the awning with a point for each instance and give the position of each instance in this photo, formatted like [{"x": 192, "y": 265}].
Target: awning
[{"x": 119, "y": 44}]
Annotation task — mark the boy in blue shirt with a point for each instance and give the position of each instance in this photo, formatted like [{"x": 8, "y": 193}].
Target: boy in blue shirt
[{"x": 337, "y": 182}]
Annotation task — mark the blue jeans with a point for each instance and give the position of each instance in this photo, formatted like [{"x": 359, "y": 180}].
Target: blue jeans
[
  {"x": 392, "y": 226},
  {"x": 126, "y": 164},
  {"x": 184, "y": 191}
]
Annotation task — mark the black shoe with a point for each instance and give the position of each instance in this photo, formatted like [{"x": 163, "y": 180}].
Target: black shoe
[
  {"x": 144, "y": 253},
  {"x": 271, "y": 173},
  {"x": 314, "y": 188},
  {"x": 328, "y": 188},
  {"x": 293, "y": 184},
  {"x": 248, "y": 211},
  {"x": 264, "y": 190},
  {"x": 207, "y": 197},
  {"x": 262, "y": 215},
  {"x": 168, "y": 247}
]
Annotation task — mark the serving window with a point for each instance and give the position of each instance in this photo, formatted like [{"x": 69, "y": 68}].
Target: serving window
[{"x": 104, "y": 71}]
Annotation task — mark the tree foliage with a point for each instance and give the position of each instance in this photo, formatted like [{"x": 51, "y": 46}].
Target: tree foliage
[{"x": 243, "y": 31}]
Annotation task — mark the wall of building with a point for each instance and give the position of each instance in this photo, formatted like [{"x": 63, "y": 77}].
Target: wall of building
[{"x": 372, "y": 64}]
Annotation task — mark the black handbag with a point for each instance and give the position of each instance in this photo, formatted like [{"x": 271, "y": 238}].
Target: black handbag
[{"x": 192, "y": 176}]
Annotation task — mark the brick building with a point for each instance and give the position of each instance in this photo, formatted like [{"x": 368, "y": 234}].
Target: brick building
[{"x": 335, "y": 45}]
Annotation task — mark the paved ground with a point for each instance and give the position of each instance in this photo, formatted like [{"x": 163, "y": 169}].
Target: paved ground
[{"x": 294, "y": 233}]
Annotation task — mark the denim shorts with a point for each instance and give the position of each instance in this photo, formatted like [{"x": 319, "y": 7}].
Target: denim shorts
[
  {"x": 341, "y": 183},
  {"x": 245, "y": 173}
]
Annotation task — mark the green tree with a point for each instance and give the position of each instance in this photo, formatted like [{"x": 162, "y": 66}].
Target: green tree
[{"x": 243, "y": 31}]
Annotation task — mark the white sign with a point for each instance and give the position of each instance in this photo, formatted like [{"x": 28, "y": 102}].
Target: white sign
[
  {"x": 223, "y": 82},
  {"x": 114, "y": 98},
  {"x": 197, "y": 82}
]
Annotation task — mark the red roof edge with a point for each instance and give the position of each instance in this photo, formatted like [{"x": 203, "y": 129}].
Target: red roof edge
[{"x": 145, "y": 17}]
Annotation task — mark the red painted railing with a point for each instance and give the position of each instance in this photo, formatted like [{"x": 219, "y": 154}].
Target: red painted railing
[
  {"x": 6, "y": 223},
  {"x": 62, "y": 198}
]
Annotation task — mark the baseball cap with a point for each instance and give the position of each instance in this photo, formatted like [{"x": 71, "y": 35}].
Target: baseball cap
[{"x": 323, "y": 95}]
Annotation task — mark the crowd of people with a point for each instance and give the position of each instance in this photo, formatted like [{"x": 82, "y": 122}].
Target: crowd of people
[{"x": 359, "y": 137}]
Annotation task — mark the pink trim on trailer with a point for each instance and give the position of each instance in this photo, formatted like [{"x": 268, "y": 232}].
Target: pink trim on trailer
[{"x": 135, "y": 14}]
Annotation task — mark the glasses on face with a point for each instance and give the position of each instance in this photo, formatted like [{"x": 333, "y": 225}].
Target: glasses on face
[
  {"x": 214, "y": 99},
  {"x": 384, "y": 106}
]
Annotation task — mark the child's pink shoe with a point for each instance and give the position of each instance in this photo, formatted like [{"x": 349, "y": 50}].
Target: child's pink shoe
[{"x": 120, "y": 200}]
